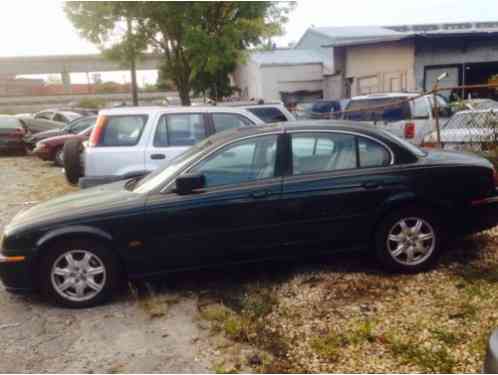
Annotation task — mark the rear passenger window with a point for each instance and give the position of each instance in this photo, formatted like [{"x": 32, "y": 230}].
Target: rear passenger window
[
  {"x": 227, "y": 121},
  {"x": 184, "y": 129},
  {"x": 313, "y": 153},
  {"x": 123, "y": 130},
  {"x": 372, "y": 154},
  {"x": 268, "y": 114}
]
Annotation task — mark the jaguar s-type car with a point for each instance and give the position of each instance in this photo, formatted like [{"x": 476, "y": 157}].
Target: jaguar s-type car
[{"x": 251, "y": 194}]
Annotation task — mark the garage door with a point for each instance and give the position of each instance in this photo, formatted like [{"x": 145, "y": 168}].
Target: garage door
[{"x": 431, "y": 75}]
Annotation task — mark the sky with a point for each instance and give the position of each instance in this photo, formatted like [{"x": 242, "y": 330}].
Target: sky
[{"x": 41, "y": 27}]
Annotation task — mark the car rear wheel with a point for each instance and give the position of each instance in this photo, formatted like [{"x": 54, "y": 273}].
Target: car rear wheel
[
  {"x": 408, "y": 240},
  {"x": 59, "y": 157},
  {"x": 79, "y": 274},
  {"x": 72, "y": 160}
]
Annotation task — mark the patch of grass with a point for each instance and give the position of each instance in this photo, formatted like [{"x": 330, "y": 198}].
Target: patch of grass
[
  {"x": 328, "y": 346},
  {"x": 437, "y": 360},
  {"x": 363, "y": 332},
  {"x": 215, "y": 313},
  {"x": 447, "y": 337},
  {"x": 466, "y": 311}
]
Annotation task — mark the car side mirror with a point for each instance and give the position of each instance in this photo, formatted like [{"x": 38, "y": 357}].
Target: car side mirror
[{"x": 188, "y": 183}]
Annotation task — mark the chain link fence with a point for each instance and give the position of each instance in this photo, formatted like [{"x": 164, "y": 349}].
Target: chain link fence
[{"x": 428, "y": 119}]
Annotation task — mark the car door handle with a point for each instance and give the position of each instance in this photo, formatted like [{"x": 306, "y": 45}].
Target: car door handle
[
  {"x": 260, "y": 194},
  {"x": 158, "y": 156},
  {"x": 371, "y": 185}
]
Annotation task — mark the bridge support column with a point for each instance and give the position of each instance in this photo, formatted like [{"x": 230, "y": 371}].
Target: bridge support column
[{"x": 66, "y": 82}]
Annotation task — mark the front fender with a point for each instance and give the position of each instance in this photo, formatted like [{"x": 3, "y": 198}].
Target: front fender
[{"x": 73, "y": 230}]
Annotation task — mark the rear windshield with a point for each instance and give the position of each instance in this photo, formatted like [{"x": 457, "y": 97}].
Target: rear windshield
[
  {"x": 123, "y": 130},
  {"x": 382, "y": 109},
  {"x": 268, "y": 114},
  {"x": 9, "y": 123}
]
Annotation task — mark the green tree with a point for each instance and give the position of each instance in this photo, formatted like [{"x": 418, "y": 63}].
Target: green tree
[{"x": 198, "y": 40}]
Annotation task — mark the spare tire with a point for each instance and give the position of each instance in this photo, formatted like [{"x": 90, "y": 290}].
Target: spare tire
[{"x": 72, "y": 160}]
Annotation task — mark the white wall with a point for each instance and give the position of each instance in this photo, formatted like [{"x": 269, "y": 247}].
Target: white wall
[{"x": 276, "y": 79}]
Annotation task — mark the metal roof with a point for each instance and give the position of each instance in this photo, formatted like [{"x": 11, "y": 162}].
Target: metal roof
[{"x": 288, "y": 57}]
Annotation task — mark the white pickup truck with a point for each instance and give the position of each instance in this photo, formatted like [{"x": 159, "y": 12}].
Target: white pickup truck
[{"x": 132, "y": 141}]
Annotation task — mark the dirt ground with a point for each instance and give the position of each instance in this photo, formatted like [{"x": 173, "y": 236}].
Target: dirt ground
[
  {"x": 325, "y": 314},
  {"x": 143, "y": 330}
]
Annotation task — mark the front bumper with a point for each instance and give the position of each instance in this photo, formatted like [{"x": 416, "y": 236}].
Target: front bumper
[
  {"x": 16, "y": 274},
  {"x": 481, "y": 215},
  {"x": 491, "y": 360}
]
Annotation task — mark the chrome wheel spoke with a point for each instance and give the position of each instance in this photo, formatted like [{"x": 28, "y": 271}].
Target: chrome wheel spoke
[
  {"x": 425, "y": 236},
  {"x": 418, "y": 226},
  {"x": 399, "y": 250},
  {"x": 67, "y": 283},
  {"x": 70, "y": 260},
  {"x": 80, "y": 288},
  {"x": 404, "y": 227},
  {"x": 94, "y": 271},
  {"x": 410, "y": 254},
  {"x": 85, "y": 262},
  {"x": 64, "y": 272},
  {"x": 90, "y": 282},
  {"x": 395, "y": 237}
]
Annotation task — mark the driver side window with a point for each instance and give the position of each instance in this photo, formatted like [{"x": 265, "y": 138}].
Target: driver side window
[{"x": 245, "y": 161}]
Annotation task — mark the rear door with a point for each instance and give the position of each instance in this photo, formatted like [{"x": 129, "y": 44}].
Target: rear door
[
  {"x": 173, "y": 134},
  {"x": 334, "y": 190}
]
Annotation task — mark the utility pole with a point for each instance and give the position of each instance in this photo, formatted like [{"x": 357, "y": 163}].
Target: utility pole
[
  {"x": 436, "y": 105},
  {"x": 133, "y": 71}
]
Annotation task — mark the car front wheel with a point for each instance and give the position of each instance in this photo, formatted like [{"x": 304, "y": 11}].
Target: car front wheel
[
  {"x": 408, "y": 240},
  {"x": 79, "y": 274}
]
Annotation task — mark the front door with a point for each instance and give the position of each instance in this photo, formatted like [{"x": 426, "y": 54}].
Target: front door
[{"x": 234, "y": 218}]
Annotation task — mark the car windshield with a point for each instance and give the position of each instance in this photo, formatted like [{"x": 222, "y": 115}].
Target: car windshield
[
  {"x": 410, "y": 146},
  {"x": 161, "y": 175}
]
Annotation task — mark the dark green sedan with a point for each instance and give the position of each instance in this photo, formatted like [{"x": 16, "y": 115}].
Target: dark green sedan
[{"x": 251, "y": 194}]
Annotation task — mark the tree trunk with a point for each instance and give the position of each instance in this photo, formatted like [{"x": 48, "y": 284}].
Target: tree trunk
[
  {"x": 134, "y": 91},
  {"x": 184, "y": 92}
]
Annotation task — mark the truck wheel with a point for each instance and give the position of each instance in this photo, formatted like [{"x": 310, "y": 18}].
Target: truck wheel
[{"x": 72, "y": 160}]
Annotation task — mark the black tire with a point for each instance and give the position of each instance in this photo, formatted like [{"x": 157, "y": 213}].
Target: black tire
[
  {"x": 59, "y": 156},
  {"x": 72, "y": 160},
  {"x": 109, "y": 280},
  {"x": 422, "y": 260}
]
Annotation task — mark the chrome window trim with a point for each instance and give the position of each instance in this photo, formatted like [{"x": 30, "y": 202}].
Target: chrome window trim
[
  {"x": 391, "y": 153},
  {"x": 188, "y": 168}
]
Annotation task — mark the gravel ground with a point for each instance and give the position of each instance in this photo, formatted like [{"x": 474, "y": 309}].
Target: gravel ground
[
  {"x": 146, "y": 329},
  {"x": 328, "y": 314}
]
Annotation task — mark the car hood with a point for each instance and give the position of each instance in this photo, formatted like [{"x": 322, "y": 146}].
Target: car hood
[{"x": 100, "y": 201}]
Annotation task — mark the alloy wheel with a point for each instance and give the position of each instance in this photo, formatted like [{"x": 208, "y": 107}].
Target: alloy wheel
[
  {"x": 411, "y": 241},
  {"x": 78, "y": 275}
]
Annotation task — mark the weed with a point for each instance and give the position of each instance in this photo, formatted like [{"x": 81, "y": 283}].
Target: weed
[
  {"x": 446, "y": 337},
  {"x": 329, "y": 346},
  {"x": 436, "y": 360}
]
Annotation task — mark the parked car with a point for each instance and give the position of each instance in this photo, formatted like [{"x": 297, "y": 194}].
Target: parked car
[
  {"x": 319, "y": 109},
  {"x": 132, "y": 141},
  {"x": 475, "y": 130},
  {"x": 474, "y": 104},
  {"x": 74, "y": 127},
  {"x": 64, "y": 116},
  {"x": 248, "y": 194},
  {"x": 269, "y": 112},
  {"x": 12, "y": 132},
  {"x": 37, "y": 125},
  {"x": 52, "y": 149},
  {"x": 407, "y": 115}
]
